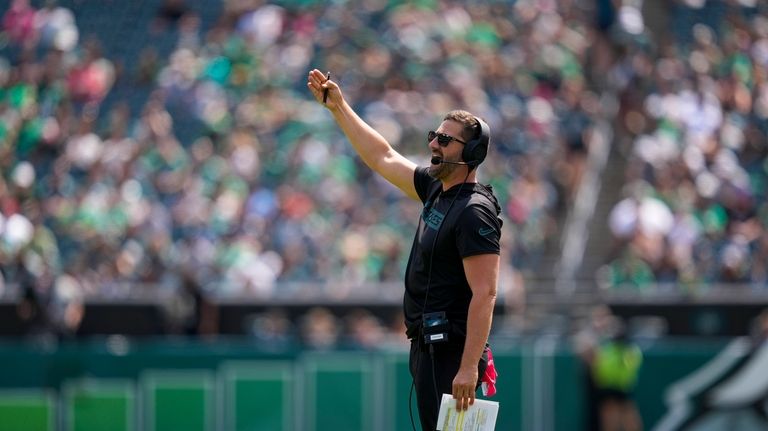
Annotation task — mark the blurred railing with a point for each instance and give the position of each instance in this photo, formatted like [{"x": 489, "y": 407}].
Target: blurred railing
[{"x": 713, "y": 310}]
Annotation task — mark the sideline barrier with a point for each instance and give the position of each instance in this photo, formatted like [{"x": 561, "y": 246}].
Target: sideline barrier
[
  {"x": 178, "y": 400},
  {"x": 95, "y": 405},
  {"x": 27, "y": 410},
  {"x": 230, "y": 384},
  {"x": 257, "y": 395},
  {"x": 339, "y": 391}
]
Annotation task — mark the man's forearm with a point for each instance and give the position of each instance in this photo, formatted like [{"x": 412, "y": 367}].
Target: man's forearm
[
  {"x": 375, "y": 151},
  {"x": 479, "y": 320},
  {"x": 367, "y": 142}
]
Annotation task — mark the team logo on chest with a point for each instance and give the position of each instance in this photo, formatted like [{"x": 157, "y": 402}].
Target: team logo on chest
[{"x": 432, "y": 217}]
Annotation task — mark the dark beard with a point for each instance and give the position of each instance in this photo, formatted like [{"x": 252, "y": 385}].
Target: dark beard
[{"x": 441, "y": 171}]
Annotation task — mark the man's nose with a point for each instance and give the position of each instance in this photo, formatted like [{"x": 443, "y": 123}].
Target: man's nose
[{"x": 433, "y": 145}]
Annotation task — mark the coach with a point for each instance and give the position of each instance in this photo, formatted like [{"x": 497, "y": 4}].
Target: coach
[{"x": 452, "y": 272}]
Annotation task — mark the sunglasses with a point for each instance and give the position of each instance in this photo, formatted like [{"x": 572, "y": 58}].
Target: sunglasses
[{"x": 442, "y": 139}]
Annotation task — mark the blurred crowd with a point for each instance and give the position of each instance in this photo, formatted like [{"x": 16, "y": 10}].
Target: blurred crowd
[
  {"x": 229, "y": 174},
  {"x": 267, "y": 197},
  {"x": 694, "y": 127}
]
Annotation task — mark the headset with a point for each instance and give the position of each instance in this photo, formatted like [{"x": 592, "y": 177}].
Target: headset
[
  {"x": 473, "y": 155},
  {"x": 474, "y": 151}
]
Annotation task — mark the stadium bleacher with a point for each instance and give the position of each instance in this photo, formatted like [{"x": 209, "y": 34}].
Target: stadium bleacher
[{"x": 164, "y": 172}]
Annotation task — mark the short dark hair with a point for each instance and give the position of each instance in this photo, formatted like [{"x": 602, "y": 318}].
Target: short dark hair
[{"x": 467, "y": 120}]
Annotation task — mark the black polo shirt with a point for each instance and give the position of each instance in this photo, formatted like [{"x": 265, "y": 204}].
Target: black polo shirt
[{"x": 465, "y": 220}]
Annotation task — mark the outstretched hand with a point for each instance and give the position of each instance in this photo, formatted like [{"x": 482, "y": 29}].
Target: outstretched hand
[{"x": 317, "y": 84}]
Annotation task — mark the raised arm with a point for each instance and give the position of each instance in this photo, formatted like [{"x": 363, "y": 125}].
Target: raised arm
[{"x": 375, "y": 151}]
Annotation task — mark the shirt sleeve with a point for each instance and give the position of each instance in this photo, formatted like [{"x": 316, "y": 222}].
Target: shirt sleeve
[
  {"x": 478, "y": 231},
  {"x": 421, "y": 182}
]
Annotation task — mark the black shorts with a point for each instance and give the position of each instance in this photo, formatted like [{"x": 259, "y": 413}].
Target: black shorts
[{"x": 613, "y": 394}]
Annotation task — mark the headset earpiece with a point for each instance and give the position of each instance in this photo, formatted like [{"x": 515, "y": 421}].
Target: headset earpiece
[{"x": 475, "y": 150}]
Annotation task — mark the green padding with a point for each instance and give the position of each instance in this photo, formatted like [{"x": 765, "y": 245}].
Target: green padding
[
  {"x": 178, "y": 401},
  {"x": 258, "y": 396},
  {"x": 26, "y": 412},
  {"x": 339, "y": 392},
  {"x": 570, "y": 394},
  {"x": 100, "y": 406},
  {"x": 397, "y": 384},
  {"x": 306, "y": 391},
  {"x": 509, "y": 388}
]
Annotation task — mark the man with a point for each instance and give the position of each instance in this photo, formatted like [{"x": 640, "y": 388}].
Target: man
[{"x": 454, "y": 263}]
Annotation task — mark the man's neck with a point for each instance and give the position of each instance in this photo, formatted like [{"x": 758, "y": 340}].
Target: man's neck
[{"x": 458, "y": 177}]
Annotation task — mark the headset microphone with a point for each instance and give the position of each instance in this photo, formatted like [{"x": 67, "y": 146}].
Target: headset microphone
[{"x": 436, "y": 160}]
